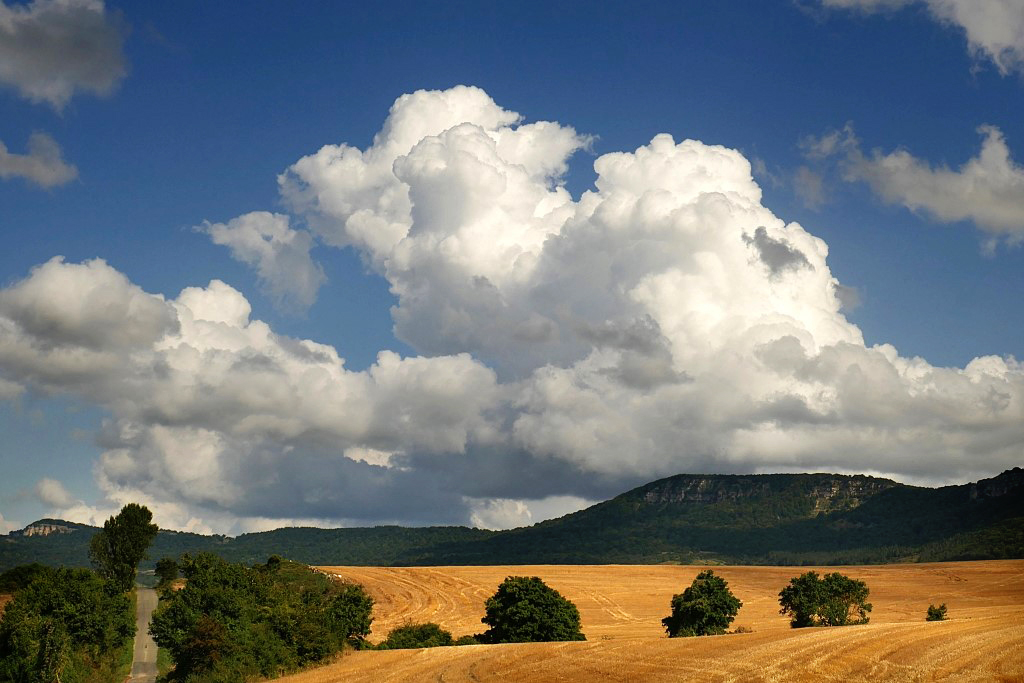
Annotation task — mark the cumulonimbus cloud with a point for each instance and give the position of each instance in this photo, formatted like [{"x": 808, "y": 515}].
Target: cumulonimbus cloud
[
  {"x": 50, "y": 49},
  {"x": 664, "y": 321}
]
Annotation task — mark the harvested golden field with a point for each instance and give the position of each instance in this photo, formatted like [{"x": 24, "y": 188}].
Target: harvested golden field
[{"x": 622, "y": 607}]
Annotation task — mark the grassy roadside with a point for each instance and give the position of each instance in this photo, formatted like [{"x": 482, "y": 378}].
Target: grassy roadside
[
  {"x": 164, "y": 664},
  {"x": 121, "y": 666}
]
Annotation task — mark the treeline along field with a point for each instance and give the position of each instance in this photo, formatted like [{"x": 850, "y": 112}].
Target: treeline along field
[
  {"x": 230, "y": 622},
  {"x": 770, "y": 519}
]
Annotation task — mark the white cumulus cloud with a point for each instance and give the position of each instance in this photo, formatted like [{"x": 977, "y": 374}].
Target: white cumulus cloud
[
  {"x": 987, "y": 190},
  {"x": 7, "y": 526},
  {"x": 50, "y": 49},
  {"x": 279, "y": 253},
  {"x": 499, "y": 513},
  {"x": 42, "y": 165},
  {"x": 209, "y": 406},
  {"x": 53, "y": 493},
  {"x": 665, "y": 321},
  {"x": 994, "y": 28}
]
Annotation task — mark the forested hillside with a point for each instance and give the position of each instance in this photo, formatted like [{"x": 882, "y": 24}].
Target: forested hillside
[
  {"x": 384, "y": 545},
  {"x": 745, "y": 519},
  {"x": 773, "y": 519}
]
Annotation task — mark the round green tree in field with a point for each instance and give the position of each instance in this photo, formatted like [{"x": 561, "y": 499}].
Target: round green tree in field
[
  {"x": 526, "y": 610},
  {"x": 706, "y": 608},
  {"x": 832, "y": 600}
]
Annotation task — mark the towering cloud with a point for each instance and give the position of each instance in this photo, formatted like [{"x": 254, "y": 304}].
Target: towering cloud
[{"x": 665, "y": 321}]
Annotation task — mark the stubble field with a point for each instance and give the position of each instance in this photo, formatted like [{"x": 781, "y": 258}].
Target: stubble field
[{"x": 622, "y": 607}]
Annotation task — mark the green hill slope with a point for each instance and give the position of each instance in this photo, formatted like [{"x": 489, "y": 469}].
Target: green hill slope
[
  {"x": 743, "y": 519},
  {"x": 773, "y": 519}
]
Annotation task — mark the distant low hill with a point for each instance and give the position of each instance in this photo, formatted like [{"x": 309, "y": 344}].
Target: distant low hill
[
  {"x": 737, "y": 519},
  {"x": 773, "y": 519}
]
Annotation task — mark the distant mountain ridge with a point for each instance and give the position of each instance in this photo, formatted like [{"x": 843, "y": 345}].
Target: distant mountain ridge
[
  {"x": 777, "y": 519},
  {"x": 743, "y": 519}
]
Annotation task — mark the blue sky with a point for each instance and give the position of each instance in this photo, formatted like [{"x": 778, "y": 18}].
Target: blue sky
[{"x": 889, "y": 131}]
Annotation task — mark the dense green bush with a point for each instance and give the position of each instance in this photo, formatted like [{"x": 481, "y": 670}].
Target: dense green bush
[
  {"x": 525, "y": 610},
  {"x": 706, "y": 608},
  {"x": 166, "y": 571},
  {"x": 835, "y": 600},
  {"x": 936, "y": 613},
  {"x": 232, "y": 623},
  {"x": 16, "y": 578},
  {"x": 64, "y": 624},
  {"x": 410, "y": 636}
]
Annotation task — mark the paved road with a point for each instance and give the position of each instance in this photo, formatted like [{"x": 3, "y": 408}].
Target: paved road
[{"x": 144, "y": 663}]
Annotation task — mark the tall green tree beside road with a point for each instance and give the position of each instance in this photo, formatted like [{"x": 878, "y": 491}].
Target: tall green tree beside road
[
  {"x": 706, "y": 608},
  {"x": 117, "y": 550}
]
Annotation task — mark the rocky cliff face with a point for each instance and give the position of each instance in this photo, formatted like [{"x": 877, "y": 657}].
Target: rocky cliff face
[
  {"x": 705, "y": 490},
  {"x": 847, "y": 493},
  {"x": 998, "y": 486},
  {"x": 829, "y": 492},
  {"x": 43, "y": 529}
]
